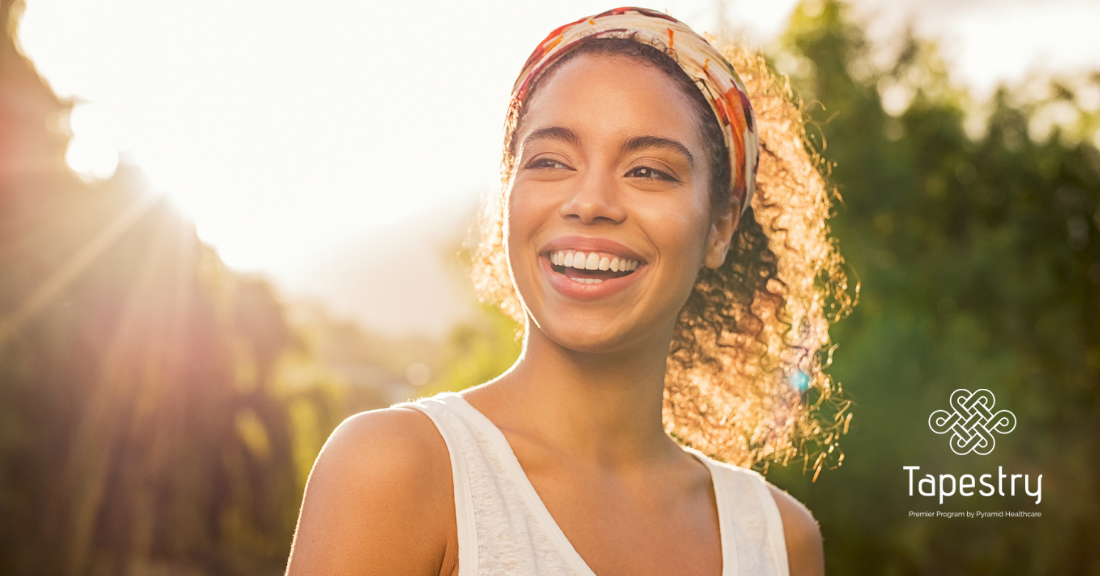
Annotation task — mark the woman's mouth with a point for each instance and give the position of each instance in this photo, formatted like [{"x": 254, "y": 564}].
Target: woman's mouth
[
  {"x": 583, "y": 268},
  {"x": 591, "y": 267}
]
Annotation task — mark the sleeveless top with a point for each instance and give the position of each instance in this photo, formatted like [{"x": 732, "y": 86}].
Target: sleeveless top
[{"x": 504, "y": 529}]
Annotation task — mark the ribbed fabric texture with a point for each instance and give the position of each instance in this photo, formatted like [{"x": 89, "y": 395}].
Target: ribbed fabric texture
[{"x": 504, "y": 529}]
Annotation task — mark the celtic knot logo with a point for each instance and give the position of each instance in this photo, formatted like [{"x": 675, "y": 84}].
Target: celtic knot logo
[{"x": 973, "y": 422}]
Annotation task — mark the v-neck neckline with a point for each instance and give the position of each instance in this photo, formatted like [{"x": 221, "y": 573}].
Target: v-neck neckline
[{"x": 574, "y": 559}]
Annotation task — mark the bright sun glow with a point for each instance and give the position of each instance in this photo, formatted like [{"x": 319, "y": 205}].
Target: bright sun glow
[
  {"x": 285, "y": 129},
  {"x": 93, "y": 152}
]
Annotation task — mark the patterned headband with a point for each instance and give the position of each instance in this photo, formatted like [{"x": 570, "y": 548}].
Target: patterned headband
[{"x": 710, "y": 71}]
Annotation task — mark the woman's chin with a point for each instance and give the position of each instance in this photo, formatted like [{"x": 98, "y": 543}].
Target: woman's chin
[{"x": 592, "y": 336}]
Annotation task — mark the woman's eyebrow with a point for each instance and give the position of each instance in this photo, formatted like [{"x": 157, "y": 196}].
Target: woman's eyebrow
[
  {"x": 643, "y": 142},
  {"x": 553, "y": 133}
]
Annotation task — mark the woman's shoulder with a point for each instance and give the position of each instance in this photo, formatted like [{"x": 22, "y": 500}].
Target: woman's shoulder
[
  {"x": 394, "y": 453},
  {"x": 381, "y": 475},
  {"x": 801, "y": 534},
  {"x": 805, "y": 554},
  {"x": 399, "y": 440},
  {"x": 405, "y": 442}
]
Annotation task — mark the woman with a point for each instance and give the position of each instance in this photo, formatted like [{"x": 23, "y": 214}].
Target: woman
[{"x": 660, "y": 300}]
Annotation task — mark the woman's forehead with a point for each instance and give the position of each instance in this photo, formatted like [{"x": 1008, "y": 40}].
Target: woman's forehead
[{"x": 605, "y": 94}]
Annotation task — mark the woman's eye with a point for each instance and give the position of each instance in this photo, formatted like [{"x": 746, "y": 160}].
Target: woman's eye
[
  {"x": 649, "y": 174},
  {"x": 547, "y": 163}
]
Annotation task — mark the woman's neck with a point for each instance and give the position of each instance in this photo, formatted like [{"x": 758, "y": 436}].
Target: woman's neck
[{"x": 605, "y": 408}]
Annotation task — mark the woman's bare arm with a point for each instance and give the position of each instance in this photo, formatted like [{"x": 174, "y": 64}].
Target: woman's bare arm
[
  {"x": 805, "y": 556},
  {"x": 379, "y": 501}
]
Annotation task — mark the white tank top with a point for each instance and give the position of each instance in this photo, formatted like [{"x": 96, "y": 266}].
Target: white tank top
[{"x": 504, "y": 529}]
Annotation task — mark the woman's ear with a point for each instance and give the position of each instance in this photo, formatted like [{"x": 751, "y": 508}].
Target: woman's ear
[{"x": 721, "y": 234}]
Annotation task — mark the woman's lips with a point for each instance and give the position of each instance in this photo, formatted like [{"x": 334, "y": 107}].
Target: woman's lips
[{"x": 584, "y": 284}]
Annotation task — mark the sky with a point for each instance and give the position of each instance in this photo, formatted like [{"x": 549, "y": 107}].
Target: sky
[{"x": 291, "y": 131}]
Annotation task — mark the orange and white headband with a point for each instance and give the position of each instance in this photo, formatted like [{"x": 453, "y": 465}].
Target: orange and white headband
[{"x": 711, "y": 72}]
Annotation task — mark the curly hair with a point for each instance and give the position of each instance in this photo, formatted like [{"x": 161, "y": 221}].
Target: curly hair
[{"x": 745, "y": 379}]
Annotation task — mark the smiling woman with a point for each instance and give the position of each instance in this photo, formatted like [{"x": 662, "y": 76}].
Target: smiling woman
[{"x": 674, "y": 293}]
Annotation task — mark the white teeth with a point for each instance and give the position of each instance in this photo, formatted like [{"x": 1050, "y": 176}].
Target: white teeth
[
  {"x": 579, "y": 260},
  {"x": 586, "y": 280},
  {"x": 593, "y": 261}
]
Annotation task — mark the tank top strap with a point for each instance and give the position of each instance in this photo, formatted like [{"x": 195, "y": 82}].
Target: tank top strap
[
  {"x": 503, "y": 528},
  {"x": 457, "y": 439},
  {"x": 756, "y": 528}
]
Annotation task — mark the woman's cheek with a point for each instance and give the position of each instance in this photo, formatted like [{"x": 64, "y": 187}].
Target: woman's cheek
[
  {"x": 522, "y": 221},
  {"x": 679, "y": 231}
]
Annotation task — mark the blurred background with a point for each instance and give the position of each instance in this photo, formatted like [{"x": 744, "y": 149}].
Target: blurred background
[{"x": 225, "y": 227}]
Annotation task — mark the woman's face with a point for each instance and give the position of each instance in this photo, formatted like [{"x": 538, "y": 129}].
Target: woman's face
[{"x": 609, "y": 216}]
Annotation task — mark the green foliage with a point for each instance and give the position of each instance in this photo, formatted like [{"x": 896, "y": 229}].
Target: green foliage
[
  {"x": 142, "y": 425},
  {"x": 479, "y": 351},
  {"x": 979, "y": 260}
]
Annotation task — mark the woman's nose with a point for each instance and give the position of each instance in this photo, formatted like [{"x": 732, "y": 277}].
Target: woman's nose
[{"x": 595, "y": 198}]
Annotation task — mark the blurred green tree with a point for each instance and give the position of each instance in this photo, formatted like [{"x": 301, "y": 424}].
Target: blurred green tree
[
  {"x": 479, "y": 350},
  {"x": 979, "y": 260}
]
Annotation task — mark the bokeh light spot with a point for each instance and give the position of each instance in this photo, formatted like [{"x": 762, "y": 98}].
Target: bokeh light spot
[{"x": 799, "y": 381}]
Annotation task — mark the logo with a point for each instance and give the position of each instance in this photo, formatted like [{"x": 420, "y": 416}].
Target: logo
[{"x": 973, "y": 422}]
